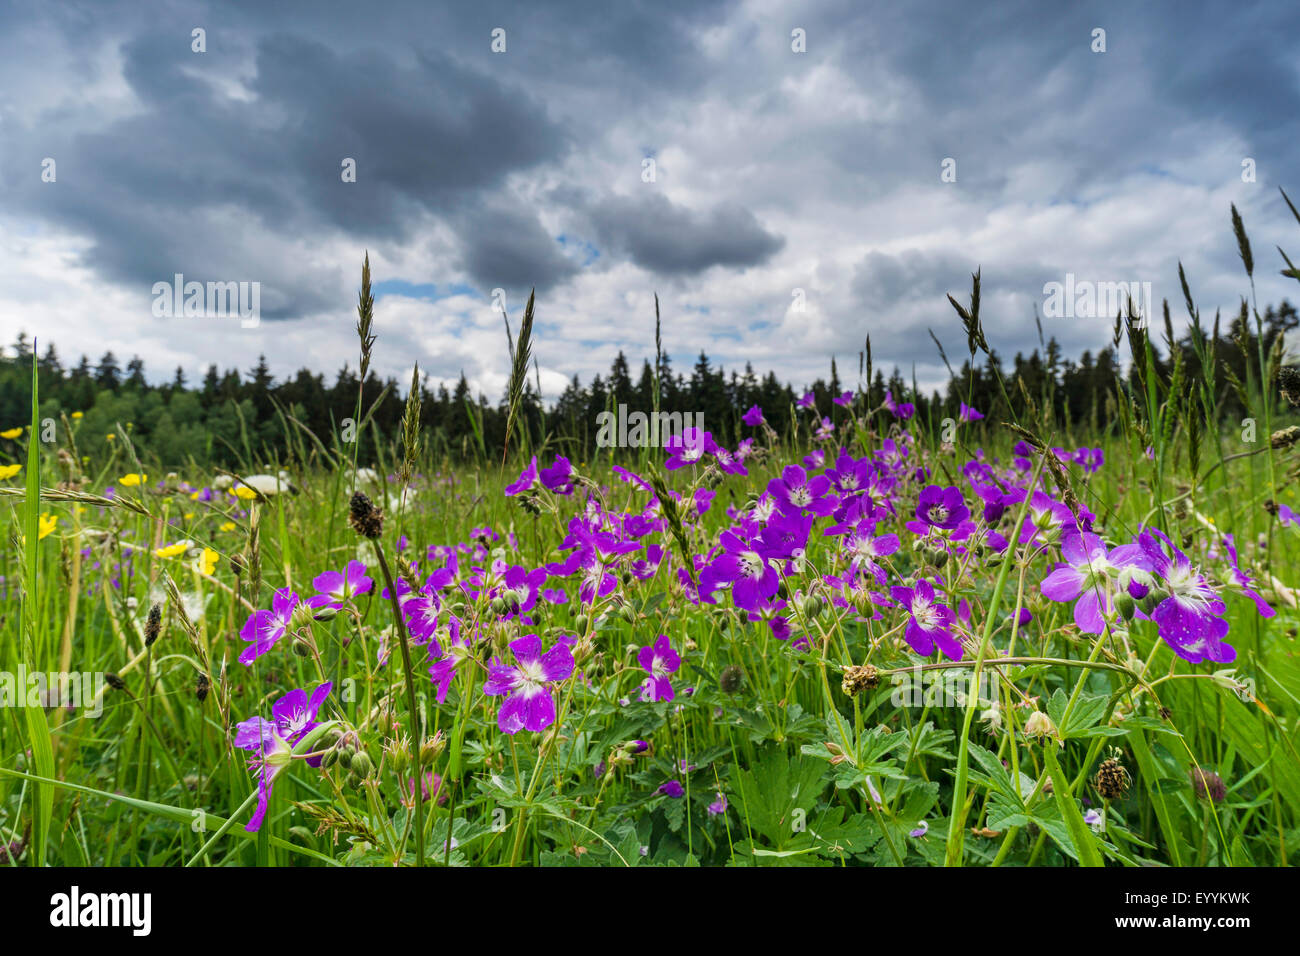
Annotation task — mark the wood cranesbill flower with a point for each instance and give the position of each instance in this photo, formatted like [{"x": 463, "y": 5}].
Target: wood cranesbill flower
[
  {"x": 526, "y": 480},
  {"x": 1090, "y": 577},
  {"x": 659, "y": 660},
  {"x": 1188, "y": 612},
  {"x": 336, "y": 588},
  {"x": 741, "y": 565},
  {"x": 271, "y": 742},
  {"x": 530, "y": 702},
  {"x": 929, "y": 623},
  {"x": 687, "y": 448},
  {"x": 796, "y": 490},
  {"x": 942, "y": 508},
  {"x": 1239, "y": 580},
  {"x": 559, "y": 477},
  {"x": 264, "y": 628}
]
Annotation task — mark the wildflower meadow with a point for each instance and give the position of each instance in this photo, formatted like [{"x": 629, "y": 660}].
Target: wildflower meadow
[
  {"x": 473, "y": 459},
  {"x": 878, "y": 638}
]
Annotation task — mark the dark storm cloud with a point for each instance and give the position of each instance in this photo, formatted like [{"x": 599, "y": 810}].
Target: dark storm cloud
[
  {"x": 170, "y": 187},
  {"x": 672, "y": 240},
  {"x": 521, "y": 170}
]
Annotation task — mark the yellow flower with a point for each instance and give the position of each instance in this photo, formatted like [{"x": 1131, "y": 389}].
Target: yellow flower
[
  {"x": 246, "y": 493},
  {"x": 111, "y": 436},
  {"x": 8, "y": 471},
  {"x": 172, "y": 550},
  {"x": 194, "y": 495},
  {"x": 227, "y": 526},
  {"x": 132, "y": 479},
  {"x": 206, "y": 563},
  {"x": 77, "y": 415},
  {"x": 12, "y": 432},
  {"x": 47, "y": 526}
]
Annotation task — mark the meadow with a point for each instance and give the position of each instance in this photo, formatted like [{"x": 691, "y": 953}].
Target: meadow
[{"x": 878, "y": 637}]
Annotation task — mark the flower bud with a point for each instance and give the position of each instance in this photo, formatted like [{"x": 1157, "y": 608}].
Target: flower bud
[
  {"x": 1125, "y": 604},
  {"x": 361, "y": 764},
  {"x": 398, "y": 754},
  {"x": 431, "y": 748},
  {"x": 1040, "y": 725}
]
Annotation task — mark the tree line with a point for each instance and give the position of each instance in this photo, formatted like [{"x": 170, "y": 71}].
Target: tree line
[{"x": 235, "y": 419}]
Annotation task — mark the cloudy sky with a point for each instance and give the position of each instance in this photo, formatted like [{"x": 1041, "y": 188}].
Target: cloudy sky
[{"x": 780, "y": 178}]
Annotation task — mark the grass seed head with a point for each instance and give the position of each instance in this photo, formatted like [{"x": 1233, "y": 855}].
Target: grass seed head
[{"x": 365, "y": 518}]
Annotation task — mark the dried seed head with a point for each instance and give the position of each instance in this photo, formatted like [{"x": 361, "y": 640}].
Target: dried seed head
[
  {"x": 153, "y": 625},
  {"x": 858, "y": 678},
  {"x": 1112, "y": 779},
  {"x": 731, "y": 679},
  {"x": 1288, "y": 379},
  {"x": 114, "y": 681},
  {"x": 1285, "y": 437},
  {"x": 201, "y": 686},
  {"x": 1208, "y": 785},
  {"x": 365, "y": 518}
]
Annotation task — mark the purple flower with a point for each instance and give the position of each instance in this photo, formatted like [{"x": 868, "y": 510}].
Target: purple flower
[
  {"x": 1287, "y": 516},
  {"x": 1091, "y": 459},
  {"x": 968, "y": 414},
  {"x": 1190, "y": 613},
  {"x": 807, "y": 401},
  {"x": 901, "y": 410},
  {"x": 672, "y": 789},
  {"x": 1239, "y": 579},
  {"x": 687, "y": 448},
  {"x": 658, "y": 660},
  {"x": 718, "y": 806},
  {"x": 750, "y": 575},
  {"x": 334, "y": 589},
  {"x": 1091, "y": 576},
  {"x": 794, "y": 490},
  {"x": 845, "y": 400},
  {"x": 264, "y": 628},
  {"x": 442, "y": 667},
  {"x": 930, "y": 623},
  {"x": 754, "y": 417},
  {"x": 942, "y": 507},
  {"x": 529, "y": 704},
  {"x": 559, "y": 477},
  {"x": 785, "y": 536},
  {"x": 864, "y": 548},
  {"x": 271, "y": 742},
  {"x": 527, "y": 478}
]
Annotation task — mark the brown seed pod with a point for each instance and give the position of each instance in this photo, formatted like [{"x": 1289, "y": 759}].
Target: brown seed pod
[
  {"x": 1288, "y": 380},
  {"x": 858, "y": 678},
  {"x": 1112, "y": 779},
  {"x": 365, "y": 518}
]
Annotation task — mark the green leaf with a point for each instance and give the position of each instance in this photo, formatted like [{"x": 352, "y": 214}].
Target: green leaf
[{"x": 1085, "y": 844}]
